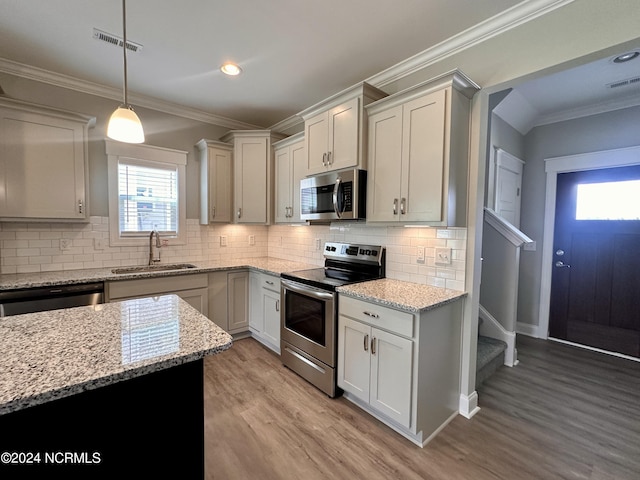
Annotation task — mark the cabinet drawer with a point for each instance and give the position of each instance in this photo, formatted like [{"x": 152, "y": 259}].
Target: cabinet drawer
[
  {"x": 270, "y": 282},
  {"x": 377, "y": 316},
  {"x": 155, "y": 285}
]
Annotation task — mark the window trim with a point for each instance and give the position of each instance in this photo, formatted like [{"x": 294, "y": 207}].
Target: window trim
[{"x": 153, "y": 156}]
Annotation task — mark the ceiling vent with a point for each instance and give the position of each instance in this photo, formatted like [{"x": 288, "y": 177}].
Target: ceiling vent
[
  {"x": 624, "y": 83},
  {"x": 115, "y": 40}
]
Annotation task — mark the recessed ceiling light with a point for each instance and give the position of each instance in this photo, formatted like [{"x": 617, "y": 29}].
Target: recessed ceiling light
[
  {"x": 625, "y": 57},
  {"x": 231, "y": 69}
]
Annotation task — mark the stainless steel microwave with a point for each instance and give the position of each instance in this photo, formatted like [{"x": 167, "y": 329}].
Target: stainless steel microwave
[{"x": 337, "y": 195}]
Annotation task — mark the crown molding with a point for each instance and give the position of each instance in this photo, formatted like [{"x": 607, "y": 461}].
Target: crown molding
[
  {"x": 91, "y": 88},
  {"x": 496, "y": 25},
  {"x": 588, "y": 110}
]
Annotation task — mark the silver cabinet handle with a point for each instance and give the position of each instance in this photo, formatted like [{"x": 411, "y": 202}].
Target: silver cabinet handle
[
  {"x": 561, "y": 264},
  {"x": 373, "y": 345},
  {"x": 329, "y": 161},
  {"x": 395, "y": 206},
  {"x": 213, "y": 212},
  {"x": 240, "y": 212},
  {"x": 402, "y": 205},
  {"x": 366, "y": 343},
  {"x": 372, "y": 315},
  {"x": 268, "y": 282},
  {"x": 277, "y": 305},
  {"x": 80, "y": 205},
  {"x": 324, "y": 159}
]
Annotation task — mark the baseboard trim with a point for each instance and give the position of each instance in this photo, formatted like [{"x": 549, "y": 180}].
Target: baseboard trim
[
  {"x": 594, "y": 349},
  {"x": 469, "y": 405}
]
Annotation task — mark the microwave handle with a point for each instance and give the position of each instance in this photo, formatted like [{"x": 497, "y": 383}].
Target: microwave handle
[{"x": 336, "y": 189}]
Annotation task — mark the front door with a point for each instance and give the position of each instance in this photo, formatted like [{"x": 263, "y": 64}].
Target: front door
[{"x": 595, "y": 290}]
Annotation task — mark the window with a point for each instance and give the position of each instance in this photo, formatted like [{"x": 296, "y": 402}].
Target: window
[
  {"x": 146, "y": 193},
  {"x": 608, "y": 200}
]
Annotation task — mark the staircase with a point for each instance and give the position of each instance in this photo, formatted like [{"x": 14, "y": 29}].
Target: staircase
[{"x": 490, "y": 357}]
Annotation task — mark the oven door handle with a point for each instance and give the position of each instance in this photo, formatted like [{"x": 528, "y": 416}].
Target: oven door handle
[{"x": 309, "y": 292}]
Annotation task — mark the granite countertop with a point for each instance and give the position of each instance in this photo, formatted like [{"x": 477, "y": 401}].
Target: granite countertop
[
  {"x": 14, "y": 281},
  {"x": 55, "y": 354},
  {"x": 407, "y": 296}
]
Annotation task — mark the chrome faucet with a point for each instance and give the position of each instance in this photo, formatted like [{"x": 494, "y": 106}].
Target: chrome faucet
[{"x": 158, "y": 245}]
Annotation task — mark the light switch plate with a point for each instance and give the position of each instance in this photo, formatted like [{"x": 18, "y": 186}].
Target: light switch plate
[
  {"x": 65, "y": 244},
  {"x": 443, "y": 256},
  {"x": 252, "y": 240},
  {"x": 223, "y": 240},
  {"x": 420, "y": 256}
]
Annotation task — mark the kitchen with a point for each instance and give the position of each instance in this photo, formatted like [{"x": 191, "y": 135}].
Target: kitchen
[{"x": 294, "y": 243}]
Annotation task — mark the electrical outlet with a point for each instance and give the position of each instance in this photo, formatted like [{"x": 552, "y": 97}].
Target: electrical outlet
[
  {"x": 420, "y": 258},
  {"x": 223, "y": 240},
  {"x": 318, "y": 245},
  {"x": 65, "y": 244},
  {"x": 164, "y": 243},
  {"x": 443, "y": 256},
  {"x": 252, "y": 240}
]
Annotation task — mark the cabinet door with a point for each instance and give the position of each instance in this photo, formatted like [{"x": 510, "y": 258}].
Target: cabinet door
[
  {"x": 298, "y": 159},
  {"x": 384, "y": 165},
  {"x": 218, "y": 299},
  {"x": 344, "y": 135},
  {"x": 316, "y": 137},
  {"x": 198, "y": 299},
  {"x": 271, "y": 309},
  {"x": 256, "y": 314},
  {"x": 354, "y": 357},
  {"x": 423, "y": 157},
  {"x": 251, "y": 180},
  {"x": 238, "y": 301},
  {"x": 42, "y": 167},
  {"x": 220, "y": 185},
  {"x": 391, "y": 375},
  {"x": 284, "y": 185}
]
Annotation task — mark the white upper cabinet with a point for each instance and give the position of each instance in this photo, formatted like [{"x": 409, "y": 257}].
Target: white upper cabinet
[
  {"x": 43, "y": 163},
  {"x": 291, "y": 167},
  {"x": 335, "y": 130},
  {"x": 216, "y": 176},
  {"x": 418, "y": 153},
  {"x": 253, "y": 174}
]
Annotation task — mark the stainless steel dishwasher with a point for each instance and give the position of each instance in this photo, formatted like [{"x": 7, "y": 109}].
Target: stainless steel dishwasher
[{"x": 39, "y": 299}]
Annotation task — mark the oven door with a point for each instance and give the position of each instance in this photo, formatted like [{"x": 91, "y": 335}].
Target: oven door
[{"x": 308, "y": 320}]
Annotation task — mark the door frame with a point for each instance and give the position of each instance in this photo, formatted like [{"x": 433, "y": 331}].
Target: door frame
[{"x": 619, "y": 157}]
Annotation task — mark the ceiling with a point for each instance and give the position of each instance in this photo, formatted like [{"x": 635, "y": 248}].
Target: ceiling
[{"x": 293, "y": 53}]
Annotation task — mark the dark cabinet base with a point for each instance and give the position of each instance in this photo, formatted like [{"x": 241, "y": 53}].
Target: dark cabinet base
[{"x": 144, "y": 427}]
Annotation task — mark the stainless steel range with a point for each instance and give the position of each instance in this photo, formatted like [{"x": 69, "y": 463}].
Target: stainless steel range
[{"x": 309, "y": 317}]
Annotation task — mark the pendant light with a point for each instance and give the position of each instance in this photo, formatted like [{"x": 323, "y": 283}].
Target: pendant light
[{"x": 124, "y": 124}]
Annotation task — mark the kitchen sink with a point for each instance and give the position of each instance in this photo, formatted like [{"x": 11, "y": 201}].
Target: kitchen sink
[{"x": 153, "y": 268}]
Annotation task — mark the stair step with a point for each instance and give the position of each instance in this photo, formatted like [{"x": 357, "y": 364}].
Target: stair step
[{"x": 490, "y": 357}]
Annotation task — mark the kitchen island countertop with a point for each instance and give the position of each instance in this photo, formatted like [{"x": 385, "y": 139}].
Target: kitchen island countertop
[{"x": 55, "y": 354}]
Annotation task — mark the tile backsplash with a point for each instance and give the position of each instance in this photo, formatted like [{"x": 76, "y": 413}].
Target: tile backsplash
[{"x": 40, "y": 247}]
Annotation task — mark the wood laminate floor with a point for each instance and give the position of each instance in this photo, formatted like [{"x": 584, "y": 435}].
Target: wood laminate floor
[{"x": 562, "y": 413}]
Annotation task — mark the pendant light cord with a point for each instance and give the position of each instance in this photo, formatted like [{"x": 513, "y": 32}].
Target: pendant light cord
[{"x": 124, "y": 49}]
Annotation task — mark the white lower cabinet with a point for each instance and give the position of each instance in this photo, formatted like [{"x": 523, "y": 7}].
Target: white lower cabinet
[
  {"x": 377, "y": 368},
  {"x": 191, "y": 288},
  {"x": 402, "y": 367},
  {"x": 264, "y": 309}
]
